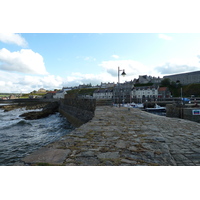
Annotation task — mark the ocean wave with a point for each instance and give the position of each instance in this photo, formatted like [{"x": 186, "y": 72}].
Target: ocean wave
[
  {"x": 19, "y": 137},
  {"x": 14, "y": 123}
]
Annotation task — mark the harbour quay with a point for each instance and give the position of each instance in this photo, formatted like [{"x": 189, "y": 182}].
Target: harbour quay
[{"x": 119, "y": 136}]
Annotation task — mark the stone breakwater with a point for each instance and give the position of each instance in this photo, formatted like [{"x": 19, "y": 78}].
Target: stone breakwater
[
  {"x": 77, "y": 111},
  {"x": 124, "y": 137}
]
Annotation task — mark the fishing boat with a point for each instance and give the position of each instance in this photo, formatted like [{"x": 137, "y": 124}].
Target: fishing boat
[{"x": 156, "y": 108}]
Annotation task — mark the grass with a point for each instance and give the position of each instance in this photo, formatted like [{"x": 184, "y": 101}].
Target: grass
[
  {"x": 43, "y": 164},
  {"x": 86, "y": 91}
]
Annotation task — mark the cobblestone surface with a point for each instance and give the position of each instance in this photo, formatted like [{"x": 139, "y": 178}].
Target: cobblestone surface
[{"x": 125, "y": 137}]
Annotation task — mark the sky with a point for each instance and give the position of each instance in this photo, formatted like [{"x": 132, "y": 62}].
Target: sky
[
  {"x": 81, "y": 42},
  {"x": 30, "y": 61}
]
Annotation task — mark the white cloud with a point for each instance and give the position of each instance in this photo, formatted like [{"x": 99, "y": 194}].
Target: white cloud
[
  {"x": 24, "y": 61},
  {"x": 12, "y": 82},
  {"x": 165, "y": 37},
  {"x": 115, "y": 56},
  {"x": 131, "y": 67},
  {"x": 109, "y": 74},
  {"x": 13, "y": 38},
  {"x": 178, "y": 65},
  {"x": 77, "y": 78}
]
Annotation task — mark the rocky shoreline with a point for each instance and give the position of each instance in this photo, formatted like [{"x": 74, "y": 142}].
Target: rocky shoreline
[
  {"x": 27, "y": 106},
  {"x": 48, "y": 108}
]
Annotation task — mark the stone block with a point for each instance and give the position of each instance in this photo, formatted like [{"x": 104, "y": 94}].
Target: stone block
[
  {"x": 108, "y": 155},
  {"x": 87, "y": 161},
  {"x": 86, "y": 154},
  {"x": 48, "y": 155},
  {"x": 121, "y": 144}
]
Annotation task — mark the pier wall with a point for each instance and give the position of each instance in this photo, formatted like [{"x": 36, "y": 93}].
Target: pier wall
[
  {"x": 77, "y": 111},
  {"x": 183, "y": 112}
]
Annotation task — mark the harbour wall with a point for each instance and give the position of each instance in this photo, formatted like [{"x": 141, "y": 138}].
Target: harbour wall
[
  {"x": 191, "y": 113},
  {"x": 77, "y": 110}
]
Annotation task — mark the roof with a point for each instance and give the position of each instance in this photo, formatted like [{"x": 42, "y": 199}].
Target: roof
[
  {"x": 162, "y": 89},
  {"x": 59, "y": 91},
  {"x": 145, "y": 87},
  {"x": 103, "y": 90},
  {"x": 51, "y": 92}
]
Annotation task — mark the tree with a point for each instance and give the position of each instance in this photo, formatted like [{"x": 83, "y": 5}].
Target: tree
[{"x": 165, "y": 82}]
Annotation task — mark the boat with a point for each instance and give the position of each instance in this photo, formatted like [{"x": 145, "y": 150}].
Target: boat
[
  {"x": 156, "y": 108},
  {"x": 137, "y": 105}
]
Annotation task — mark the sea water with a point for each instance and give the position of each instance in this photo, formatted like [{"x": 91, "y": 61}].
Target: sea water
[{"x": 20, "y": 137}]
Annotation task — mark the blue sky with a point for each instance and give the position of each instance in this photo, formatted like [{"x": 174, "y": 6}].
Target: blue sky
[
  {"x": 84, "y": 42},
  {"x": 30, "y": 61}
]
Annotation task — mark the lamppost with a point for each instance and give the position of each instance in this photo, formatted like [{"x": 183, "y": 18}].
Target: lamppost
[{"x": 123, "y": 74}]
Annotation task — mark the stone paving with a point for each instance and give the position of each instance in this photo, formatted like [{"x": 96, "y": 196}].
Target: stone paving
[{"x": 124, "y": 137}]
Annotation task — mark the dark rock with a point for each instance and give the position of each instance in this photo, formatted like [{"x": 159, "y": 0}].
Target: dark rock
[{"x": 49, "y": 109}]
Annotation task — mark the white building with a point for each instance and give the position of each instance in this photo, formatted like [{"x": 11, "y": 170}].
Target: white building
[
  {"x": 145, "y": 92},
  {"x": 103, "y": 94},
  {"x": 61, "y": 93}
]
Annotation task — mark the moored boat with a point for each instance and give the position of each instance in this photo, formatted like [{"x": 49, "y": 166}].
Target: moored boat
[{"x": 156, "y": 108}]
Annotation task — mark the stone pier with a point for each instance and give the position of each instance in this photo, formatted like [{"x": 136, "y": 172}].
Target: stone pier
[{"x": 124, "y": 137}]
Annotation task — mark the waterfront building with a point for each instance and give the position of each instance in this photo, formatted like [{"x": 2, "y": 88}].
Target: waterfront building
[
  {"x": 185, "y": 78},
  {"x": 103, "y": 94},
  {"x": 61, "y": 93},
  {"x": 50, "y": 94},
  {"x": 144, "y": 92},
  {"x": 121, "y": 92},
  {"x": 164, "y": 92}
]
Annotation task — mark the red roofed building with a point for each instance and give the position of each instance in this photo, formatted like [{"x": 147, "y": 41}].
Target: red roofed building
[
  {"x": 50, "y": 94},
  {"x": 163, "y": 92}
]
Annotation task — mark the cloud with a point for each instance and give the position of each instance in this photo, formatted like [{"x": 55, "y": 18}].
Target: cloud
[
  {"x": 176, "y": 65},
  {"x": 13, "y": 38},
  {"x": 165, "y": 37},
  {"x": 77, "y": 78},
  {"x": 16, "y": 83},
  {"x": 24, "y": 61},
  {"x": 131, "y": 67},
  {"x": 115, "y": 56}
]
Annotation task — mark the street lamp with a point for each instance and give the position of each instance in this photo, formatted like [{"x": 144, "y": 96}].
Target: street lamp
[{"x": 123, "y": 74}]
